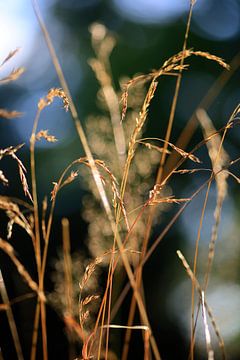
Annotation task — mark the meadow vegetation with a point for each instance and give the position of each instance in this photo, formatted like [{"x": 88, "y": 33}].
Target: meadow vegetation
[{"x": 129, "y": 179}]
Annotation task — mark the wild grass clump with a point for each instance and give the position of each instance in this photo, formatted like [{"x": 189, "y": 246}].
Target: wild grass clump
[{"x": 122, "y": 205}]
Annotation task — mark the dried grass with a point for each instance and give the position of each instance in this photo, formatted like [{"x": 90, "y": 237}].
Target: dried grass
[
  {"x": 51, "y": 95},
  {"x": 219, "y": 159},
  {"x": 43, "y": 134},
  {"x": 168, "y": 67},
  {"x": 183, "y": 153},
  {"x": 95, "y": 339}
]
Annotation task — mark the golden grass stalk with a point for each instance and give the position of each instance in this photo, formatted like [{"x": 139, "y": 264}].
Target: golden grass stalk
[
  {"x": 74, "y": 113},
  {"x": 206, "y": 140},
  {"x": 151, "y": 146},
  {"x": 199, "y": 55},
  {"x": 37, "y": 244},
  {"x": 174, "y": 63},
  {"x": 140, "y": 121},
  {"x": 185, "y": 53},
  {"x": 117, "y": 199},
  {"x": 183, "y": 153},
  {"x": 139, "y": 300},
  {"x": 153, "y": 247},
  {"x": 101, "y": 164},
  {"x": 173, "y": 220},
  {"x": 170, "y": 68},
  {"x": 103, "y": 305},
  {"x": 93, "y": 166},
  {"x": 205, "y": 103},
  {"x": 10, "y": 317},
  {"x": 77, "y": 123},
  {"x": 46, "y": 101},
  {"x": 90, "y": 268},
  {"x": 59, "y": 185},
  {"x": 189, "y": 171}
]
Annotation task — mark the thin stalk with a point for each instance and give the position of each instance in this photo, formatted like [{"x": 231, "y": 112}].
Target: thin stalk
[
  {"x": 214, "y": 236},
  {"x": 40, "y": 303},
  {"x": 205, "y": 103},
  {"x": 68, "y": 279},
  {"x": 195, "y": 268},
  {"x": 159, "y": 178},
  {"x": 76, "y": 119},
  {"x": 74, "y": 113},
  {"x": 154, "y": 246},
  {"x": 11, "y": 320},
  {"x": 109, "y": 309},
  {"x": 172, "y": 221},
  {"x": 35, "y": 331},
  {"x": 199, "y": 290},
  {"x": 133, "y": 141},
  {"x": 34, "y": 193},
  {"x": 130, "y": 155},
  {"x": 67, "y": 266}
]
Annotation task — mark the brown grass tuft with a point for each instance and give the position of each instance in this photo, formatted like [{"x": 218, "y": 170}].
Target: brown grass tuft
[
  {"x": 43, "y": 134},
  {"x": 53, "y": 93}
]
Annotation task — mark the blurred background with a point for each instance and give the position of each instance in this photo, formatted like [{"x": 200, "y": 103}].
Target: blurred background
[{"x": 147, "y": 32}]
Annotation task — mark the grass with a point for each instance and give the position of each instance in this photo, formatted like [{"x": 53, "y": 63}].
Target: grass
[{"x": 122, "y": 181}]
